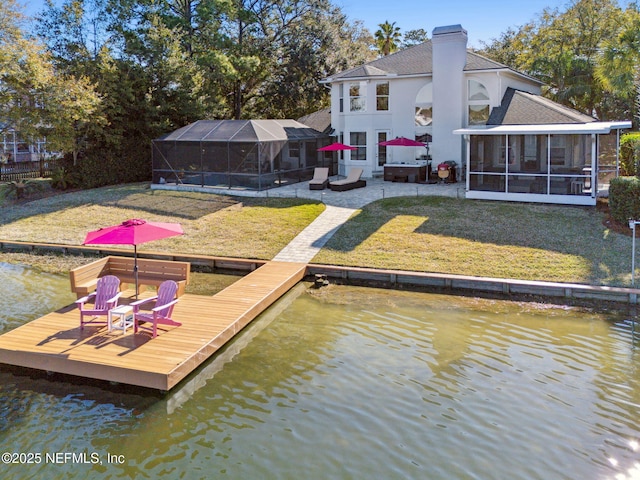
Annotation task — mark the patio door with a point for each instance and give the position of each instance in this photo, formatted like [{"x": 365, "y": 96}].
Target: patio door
[{"x": 383, "y": 154}]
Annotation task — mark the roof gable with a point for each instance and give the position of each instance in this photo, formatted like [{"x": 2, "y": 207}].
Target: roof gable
[{"x": 523, "y": 108}]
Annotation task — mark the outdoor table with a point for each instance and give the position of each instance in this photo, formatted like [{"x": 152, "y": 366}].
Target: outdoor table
[{"x": 125, "y": 314}]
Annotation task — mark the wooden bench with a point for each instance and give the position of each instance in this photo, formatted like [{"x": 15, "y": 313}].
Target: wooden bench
[{"x": 150, "y": 273}]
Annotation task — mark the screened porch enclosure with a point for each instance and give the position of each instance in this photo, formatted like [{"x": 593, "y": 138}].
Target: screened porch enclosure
[
  {"x": 536, "y": 164},
  {"x": 564, "y": 163},
  {"x": 244, "y": 154}
]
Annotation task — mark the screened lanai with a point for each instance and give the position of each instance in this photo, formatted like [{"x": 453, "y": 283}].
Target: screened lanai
[
  {"x": 245, "y": 154},
  {"x": 566, "y": 164}
]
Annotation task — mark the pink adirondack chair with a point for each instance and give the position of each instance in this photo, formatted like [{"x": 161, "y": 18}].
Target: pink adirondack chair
[
  {"x": 160, "y": 314},
  {"x": 104, "y": 299}
]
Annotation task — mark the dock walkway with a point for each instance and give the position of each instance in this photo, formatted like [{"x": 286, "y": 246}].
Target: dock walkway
[{"x": 55, "y": 342}]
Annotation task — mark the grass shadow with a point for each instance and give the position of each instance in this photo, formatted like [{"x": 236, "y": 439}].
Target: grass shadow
[{"x": 513, "y": 240}]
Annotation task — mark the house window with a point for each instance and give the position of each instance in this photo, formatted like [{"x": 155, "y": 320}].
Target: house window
[
  {"x": 359, "y": 140},
  {"x": 424, "y": 116},
  {"x": 424, "y": 109},
  {"x": 478, "y": 100},
  {"x": 357, "y": 98},
  {"x": 341, "y": 95},
  {"x": 382, "y": 96}
]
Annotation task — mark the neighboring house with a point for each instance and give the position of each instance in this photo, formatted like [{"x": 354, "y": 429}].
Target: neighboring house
[
  {"x": 14, "y": 149},
  {"x": 468, "y": 108}
]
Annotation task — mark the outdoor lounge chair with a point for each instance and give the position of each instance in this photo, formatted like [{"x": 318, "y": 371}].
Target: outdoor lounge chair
[
  {"x": 161, "y": 313},
  {"x": 104, "y": 299},
  {"x": 352, "y": 181},
  {"x": 320, "y": 179}
]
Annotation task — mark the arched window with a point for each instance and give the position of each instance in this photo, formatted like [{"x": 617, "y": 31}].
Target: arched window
[
  {"x": 424, "y": 106},
  {"x": 479, "y": 106}
]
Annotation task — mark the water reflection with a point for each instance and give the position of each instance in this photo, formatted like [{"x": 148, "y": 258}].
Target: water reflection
[
  {"x": 28, "y": 293},
  {"x": 358, "y": 383}
]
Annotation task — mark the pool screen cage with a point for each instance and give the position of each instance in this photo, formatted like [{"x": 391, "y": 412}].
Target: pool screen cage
[{"x": 243, "y": 154}]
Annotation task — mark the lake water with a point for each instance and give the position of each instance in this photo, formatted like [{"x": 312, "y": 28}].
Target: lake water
[{"x": 349, "y": 383}]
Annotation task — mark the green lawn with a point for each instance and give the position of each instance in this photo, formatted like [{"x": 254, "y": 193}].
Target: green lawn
[
  {"x": 493, "y": 239},
  {"x": 432, "y": 234},
  {"x": 213, "y": 224}
]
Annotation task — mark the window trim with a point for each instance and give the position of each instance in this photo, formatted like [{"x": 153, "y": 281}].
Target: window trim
[
  {"x": 361, "y": 148},
  {"x": 380, "y": 96},
  {"x": 361, "y": 98},
  {"x": 477, "y": 103}
]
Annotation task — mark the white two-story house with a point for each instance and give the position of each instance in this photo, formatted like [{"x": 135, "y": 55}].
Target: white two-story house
[{"x": 508, "y": 142}]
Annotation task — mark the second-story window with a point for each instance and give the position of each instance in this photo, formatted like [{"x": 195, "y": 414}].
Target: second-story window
[
  {"x": 357, "y": 97},
  {"x": 478, "y": 103},
  {"x": 382, "y": 96},
  {"x": 424, "y": 106}
]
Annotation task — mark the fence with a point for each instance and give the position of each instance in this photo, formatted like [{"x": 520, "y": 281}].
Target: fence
[{"x": 10, "y": 172}]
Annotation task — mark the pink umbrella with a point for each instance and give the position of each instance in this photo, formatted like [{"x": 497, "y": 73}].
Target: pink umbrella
[
  {"x": 133, "y": 232},
  {"x": 402, "y": 142},
  {"x": 334, "y": 147}
]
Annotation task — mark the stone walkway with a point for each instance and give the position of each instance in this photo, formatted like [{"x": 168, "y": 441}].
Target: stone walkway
[{"x": 340, "y": 206}]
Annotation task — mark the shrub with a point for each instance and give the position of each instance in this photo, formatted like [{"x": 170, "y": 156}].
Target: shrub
[
  {"x": 630, "y": 153},
  {"x": 100, "y": 167},
  {"x": 624, "y": 198}
]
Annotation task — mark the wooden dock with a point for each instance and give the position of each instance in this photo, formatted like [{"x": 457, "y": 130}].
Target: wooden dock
[{"x": 55, "y": 342}]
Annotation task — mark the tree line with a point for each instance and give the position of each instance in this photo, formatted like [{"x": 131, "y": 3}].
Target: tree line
[
  {"x": 588, "y": 56},
  {"x": 102, "y": 78}
]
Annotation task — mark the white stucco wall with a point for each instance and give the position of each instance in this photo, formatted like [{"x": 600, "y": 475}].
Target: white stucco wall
[{"x": 450, "y": 105}]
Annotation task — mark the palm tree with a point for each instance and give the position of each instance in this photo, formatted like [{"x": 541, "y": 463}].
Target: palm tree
[
  {"x": 619, "y": 64},
  {"x": 387, "y": 38}
]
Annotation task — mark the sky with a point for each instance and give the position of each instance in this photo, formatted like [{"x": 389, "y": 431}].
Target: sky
[{"x": 484, "y": 20}]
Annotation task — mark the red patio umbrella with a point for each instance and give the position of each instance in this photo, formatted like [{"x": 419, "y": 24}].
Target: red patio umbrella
[
  {"x": 334, "y": 147},
  {"x": 133, "y": 232},
  {"x": 402, "y": 142}
]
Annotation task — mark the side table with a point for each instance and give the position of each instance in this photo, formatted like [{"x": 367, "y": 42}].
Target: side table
[{"x": 125, "y": 320}]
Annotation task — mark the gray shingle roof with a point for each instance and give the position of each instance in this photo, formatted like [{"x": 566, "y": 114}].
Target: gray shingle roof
[
  {"x": 319, "y": 120},
  {"x": 416, "y": 60},
  {"x": 523, "y": 108}
]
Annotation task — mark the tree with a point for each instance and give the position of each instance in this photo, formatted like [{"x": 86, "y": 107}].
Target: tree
[
  {"x": 161, "y": 64},
  {"x": 619, "y": 62},
  {"x": 387, "y": 38},
  {"x": 511, "y": 47},
  {"x": 323, "y": 44},
  {"x": 414, "y": 37},
  {"x": 35, "y": 98},
  {"x": 561, "y": 48}
]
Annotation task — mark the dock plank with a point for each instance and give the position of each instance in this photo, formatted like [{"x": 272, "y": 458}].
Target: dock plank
[{"x": 55, "y": 342}]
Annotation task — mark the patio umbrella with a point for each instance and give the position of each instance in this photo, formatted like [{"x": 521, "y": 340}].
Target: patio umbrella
[
  {"x": 133, "y": 232},
  {"x": 334, "y": 147},
  {"x": 402, "y": 142}
]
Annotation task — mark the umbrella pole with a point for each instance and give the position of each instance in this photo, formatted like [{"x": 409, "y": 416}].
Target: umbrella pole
[{"x": 135, "y": 267}]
